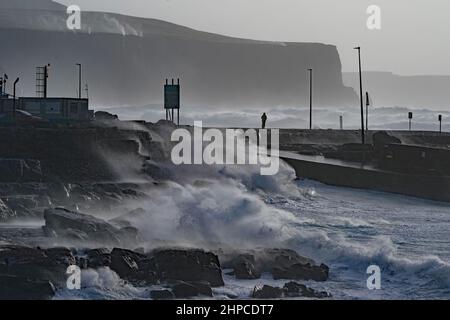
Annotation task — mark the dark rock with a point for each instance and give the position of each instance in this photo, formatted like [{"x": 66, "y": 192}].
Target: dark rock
[
  {"x": 26, "y": 206},
  {"x": 294, "y": 290},
  {"x": 161, "y": 295},
  {"x": 105, "y": 116},
  {"x": 20, "y": 288},
  {"x": 268, "y": 292},
  {"x": 132, "y": 266},
  {"x": 36, "y": 264},
  {"x": 281, "y": 263},
  {"x": 244, "y": 267},
  {"x": 98, "y": 258},
  {"x": 20, "y": 170},
  {"x": 288, "y": 264},
  {"x": 300, "y": 271},
  {"x": 131, "y": 193},
  {"x": 5, "y": 212},
  {"x": 157, "y": 172},
  {"x": 188, "y": 265},
  {"x": 192, "y": 289},
  {"x": 82, "y": 262},
  {"x": 72, "y": 225}
]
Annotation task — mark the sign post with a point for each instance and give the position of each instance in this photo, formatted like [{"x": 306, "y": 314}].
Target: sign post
[{"x": 410, "y": 116}]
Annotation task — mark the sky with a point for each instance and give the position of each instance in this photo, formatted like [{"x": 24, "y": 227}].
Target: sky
[{"x": 413, "y": 39}]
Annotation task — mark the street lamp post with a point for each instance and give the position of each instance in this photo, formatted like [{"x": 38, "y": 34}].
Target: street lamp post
[
  {"x": 14, "y": 98},
  {"x": 79, "y": 80},
  {"x": 440, "y": 123},
  {"x": 310, "y": 97},
  {"x": 410, "y": 117},
  {"x": 367, "y": 111},
  {"x": 361, "y": 96}
]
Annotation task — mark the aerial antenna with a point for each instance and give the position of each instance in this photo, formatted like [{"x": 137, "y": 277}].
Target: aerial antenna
[{"x": 42, "y": 81}]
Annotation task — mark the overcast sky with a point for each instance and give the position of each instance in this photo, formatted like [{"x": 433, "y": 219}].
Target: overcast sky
[{"x": 414, "y": 39}]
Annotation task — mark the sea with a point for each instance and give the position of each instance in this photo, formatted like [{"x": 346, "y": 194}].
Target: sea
[{"x": 407, "y": 238}]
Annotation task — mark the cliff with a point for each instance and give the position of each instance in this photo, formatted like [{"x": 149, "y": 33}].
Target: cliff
[
  {"x": 126, "y": 60},
  {"x": 388, "y": 89}
]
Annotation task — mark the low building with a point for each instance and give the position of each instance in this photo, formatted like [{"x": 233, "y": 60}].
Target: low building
[
  {"x": 52, "y": 109},
  {"x": 6, "y": 105}
]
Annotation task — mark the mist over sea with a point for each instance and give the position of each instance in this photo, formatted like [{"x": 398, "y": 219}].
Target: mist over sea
[{"x": 295, "y": 117}]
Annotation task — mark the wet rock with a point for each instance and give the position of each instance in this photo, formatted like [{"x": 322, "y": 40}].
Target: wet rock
[
  {"x": 300, "y": 271},
  {"x": 132, "y": 266},
  {"x": 20, "y": 170},
  {"x": 105, "y": 116},
  {"x": 22, "y": 207},
  {"x": 132, "y": 193},
  {"x": 191, "y": 289},
  {"x": 294, "y": 290},
  {"x": 268, "y": 292},
  {"x": 161, "y": 295},
  {"x": 98, "y": 258},
  {"x": 244, "y": 267},
  {"x": 281, "y": 263},
  {"x": 67, "y": 224},
  {"x": 21, "y": 288},
  {"x": 288, "y": 264},
  {"x": 5, "y": 212},
  {"x": 188, "y": 265},
  {"x": 36, "y": 264},
  {"x": 155, "y": 171}
]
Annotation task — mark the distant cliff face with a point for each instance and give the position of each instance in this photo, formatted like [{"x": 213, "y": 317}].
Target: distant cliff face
[
  {"x": 388, "y": 89},
  {"x": 125, "y": 61}
]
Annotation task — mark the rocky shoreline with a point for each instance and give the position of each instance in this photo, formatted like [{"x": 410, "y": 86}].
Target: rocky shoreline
[
  {"x": 80, "y": 210},
  {"x": 37, "y": 273}
]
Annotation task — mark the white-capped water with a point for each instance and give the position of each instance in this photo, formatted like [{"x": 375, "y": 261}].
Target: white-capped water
[{"x": 348, "y": 229}]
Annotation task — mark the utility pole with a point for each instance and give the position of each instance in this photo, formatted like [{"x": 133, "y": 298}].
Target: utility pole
[
  {"x": 79, "y": 80},
  {"x": 361, "y": 96},
  {"x": 310, "y": 97},
  {"x": 14, "y": 98}
]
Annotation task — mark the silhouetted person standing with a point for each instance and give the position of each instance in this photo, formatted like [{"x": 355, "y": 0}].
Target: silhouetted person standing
[{"x": 264, "y": 120}]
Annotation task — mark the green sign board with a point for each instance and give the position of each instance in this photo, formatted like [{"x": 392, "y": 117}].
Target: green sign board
[{"x": 171, "y": 96}]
